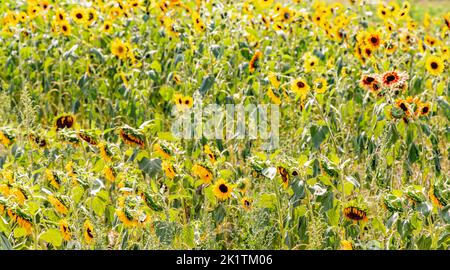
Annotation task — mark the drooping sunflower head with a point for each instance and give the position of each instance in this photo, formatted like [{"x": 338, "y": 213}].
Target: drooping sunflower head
[
  {"x": 60, "y": 205},
  {"x": 393, "y": 203},
  {"x": 346, "y": 245},
  {"x": 88, "y": 136},
  {"x": 355, "y": 211},
  {"x": 203, "y": 171},
  {"x": 415, "y": 195},
  {"x": 64, "y": 121},
  {"x": 439, "y": 193},
  {"x": 88, "y": 232},
  {"x": 164, "y": 149},
  {"x": 168, "y": 169},
  {"x": 6, "y": 136},
  {"x": 284, "y": 173},
  {"x": 131, "y": 136},
  {"x": 254, "y": 62},
  {"x": 65, "y": 230},
  {"x": 223, "y": 190}
]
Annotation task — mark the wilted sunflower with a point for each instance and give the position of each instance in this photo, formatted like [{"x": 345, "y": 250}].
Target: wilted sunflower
[
  {"x": 88, "y": 232},
  {"x": 64, "y": 121},
  {"x": 222, "y": 190},
  {"x": 440, "y": 194},
  {"x": 88, "y": 136},
  {"x": 130, "y": 211},
  {"x": 434, "y": 65},
  {"x": 110, "y": 173},
  {"x": 211, "y": 155},
  {"x": 355, "y": 212},
  {"x": 274, "y": 98},
  {"x": 163, "y": 149},
  {"x": 131, "y": 136}
]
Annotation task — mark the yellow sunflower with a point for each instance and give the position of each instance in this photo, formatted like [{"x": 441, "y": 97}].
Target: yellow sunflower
[
  {"x": 78, "y": 15},
  {"x": 223, "y": 190},
  {"x": 300, "y": 87},
  {"x": 320, "y": 85},
  {"x": 434, "y": 65}
]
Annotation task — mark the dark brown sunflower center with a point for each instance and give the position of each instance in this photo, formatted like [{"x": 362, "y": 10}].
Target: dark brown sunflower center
[
  {"x": 120, "y": 49},
  {"x": 64, "y": 28},
  {"x": 374, "y": 40},
  {"x": 247, "y": 203},
  {"x": 300, "y": 84},
  {"x": 390, "y": 78},
  {"x": 403, "y": 107},
  {"x": 79, "y": 16},
  {"x": 370, "y": 79},
  {"x": 434, "y": 65},
  {"x": 223, "y": 188},
  {"x": 425, "y": 110}
]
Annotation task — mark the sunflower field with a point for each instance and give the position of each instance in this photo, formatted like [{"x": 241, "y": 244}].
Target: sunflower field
[{"x": 88, "y": 159}]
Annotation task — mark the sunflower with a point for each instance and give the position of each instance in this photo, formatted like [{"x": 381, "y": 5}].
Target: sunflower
[
  {"x": 64, "y": 121},
  {"x": 423, "y": 109},
  {"x": 65, "y": 28},
  {"x": 188, "y": 102},
  {"x": 105, "y": 152},
  {"x": 447, "y": 20},
  {"x": 119, "y": 49},
  {"x": 53, "y": 178},
  {"x": 244, "y": 185},
  {"x": 263, "y": 4},
  {"x": 110, "y": 173},
  {"x": 394, "y": 78},
  {"x": 19, "y": 194},
  {"x": 114, "y": 13},
  {"x": 310, "y": 63},
  {"x": 274, "y": 79},
  {"x": 91, "y": 15},
  {"x": 6, "y": 137},
  {"x": 320, "y": 85},
  {"x": 223, "y": 190},
  {"x": 88, "y": 232},
  {"x": 88, "y": 137},
  {"x": 207, "y": 150},
  {"x": 198, "y": 23},
  {"x": 58, "y": 204},
  {"x": 373, "y": 40},
  {"x": 131, "y": 136},
  {"x": 431, "y": 41},
  {"x": 403, "y": 105},
  {"x": 60, "y": 15},
  {"x": 78, "y": 15},
  {"x": 274, "y": 98},
  {"x": 4, "y": 190},
  {"x": 440, "y": 194},
  {"x": 65, "y": 230},
  {"x": 203, "y": 172},
  {"x": 300, "y": 87},
  {"x": 355, "y": 213},
  {"x": 168, "y": 169},
  {"x": 176, "y": 79},
  {"x": 284, "y": 175},
  {"x": 254, "y": 62},
  {"x": 163, "y": 150},
  {"x": 21, "y": 218},
  {"x": 107, "y": 27},
  {"x": 346, "y": 245},
  {"x": 434, "y": 65},
  {"x": 246, "y": 203},
  {"x": 45, "y": 4},
  {"x": 33, "y": 10}
]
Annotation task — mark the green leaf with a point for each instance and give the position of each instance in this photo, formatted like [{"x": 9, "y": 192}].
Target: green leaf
[
  {"x": 52, "y": 236},
  {"x": 207, "y": 83},
  {"x": 156, "y": 66},
  {"x": 150, "y": 166},
  {"x": 267, "y": 201},
  {"x": 19, "y": 232}
]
